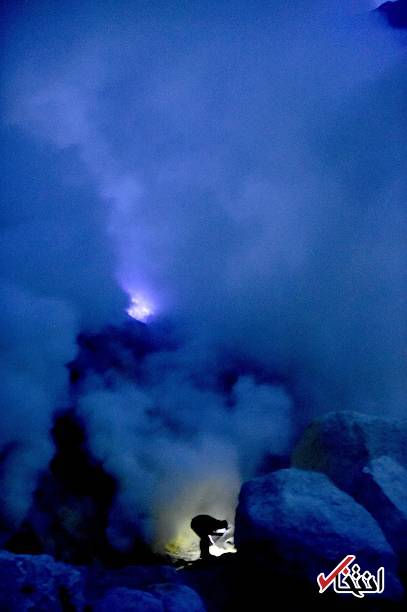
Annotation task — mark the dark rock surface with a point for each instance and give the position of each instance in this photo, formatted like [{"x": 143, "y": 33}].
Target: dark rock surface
[
  {"x": 98, "y": 581},
  {"x": 38, "y": 583},
  {"x": 177, "y": 598},
  {"x": 159, "y": 598},
  {"x": 127, "y": 600},
  {"x": 302, "y": 523},
  {"x": 383, "y": 492},
  {"x": 395, "y": 13},
  {"x": 340, "y": 444}
]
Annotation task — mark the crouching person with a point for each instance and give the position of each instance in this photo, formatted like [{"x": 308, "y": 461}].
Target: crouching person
[{"x": 204, "y": 527}]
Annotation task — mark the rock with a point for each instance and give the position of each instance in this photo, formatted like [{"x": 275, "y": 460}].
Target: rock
[
  {"x": 38, "y": 583},
  {"x": 128, "y": 600},
  {"x": 159, "y": 598},
  {"x": 178, "y": 598},
  {"x": 395, "y": 12},
  {"x": 301, "y": 522},
  {"x": 383, "y": 491},
  {"x": 340, "y": 444},
  {"x": 134, "y": 577}
]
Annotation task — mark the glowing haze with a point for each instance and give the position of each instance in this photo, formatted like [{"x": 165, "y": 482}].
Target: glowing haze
[
  {"x": 140, "y": 308},
  {"x": 246, "y": 163}
]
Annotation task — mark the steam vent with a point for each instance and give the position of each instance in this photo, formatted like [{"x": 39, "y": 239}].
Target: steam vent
[{"x": 203, "y": 295}]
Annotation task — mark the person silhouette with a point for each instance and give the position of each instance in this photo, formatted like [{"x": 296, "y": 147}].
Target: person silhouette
[{"x": 205, "y": 526}]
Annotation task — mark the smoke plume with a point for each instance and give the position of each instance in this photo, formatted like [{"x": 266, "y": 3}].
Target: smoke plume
[{"x": 241, "y": 169}]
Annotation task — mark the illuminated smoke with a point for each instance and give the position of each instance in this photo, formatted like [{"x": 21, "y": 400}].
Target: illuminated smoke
[
  {"x": 250, "y": 174},
  {"x": 140, "y": 308}
]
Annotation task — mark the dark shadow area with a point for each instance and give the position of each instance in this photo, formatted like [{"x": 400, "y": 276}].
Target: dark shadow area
[
  {"x": 70, "y": 511},
  {"x": 395, "y": 13}
]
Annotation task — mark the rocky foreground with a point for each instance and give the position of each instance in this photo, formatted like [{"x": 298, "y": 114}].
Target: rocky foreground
[{"x": 345, "y": 493}]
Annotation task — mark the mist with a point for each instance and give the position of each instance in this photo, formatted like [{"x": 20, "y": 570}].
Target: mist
[{"x": 242, "y": 170}]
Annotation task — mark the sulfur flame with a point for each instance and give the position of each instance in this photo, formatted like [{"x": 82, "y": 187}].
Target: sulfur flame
[{"x": 140, "y": 308}]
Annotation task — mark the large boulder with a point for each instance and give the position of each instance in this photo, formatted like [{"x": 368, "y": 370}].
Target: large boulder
[
  {"x": 38, "y": 583},
  {"x": 300, "y": 522},
  {"x": 137, "y": 577},
  {"x": 128, "y": 600},
  {"x": 159, "y": 598},
  {"x": 177, "y": 598},
  {"x": 395, "y": 11},
  {"x": 340, "y": 444},
  {"x": 99, "y": 581},
  {"x": 383, "y": 491}
]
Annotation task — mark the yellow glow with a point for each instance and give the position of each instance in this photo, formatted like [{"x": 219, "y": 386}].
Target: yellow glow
[
  {"x": 209, "y": 487},
  {"x": 186, "y": 545},
  {"x": 183, "y": 547}
]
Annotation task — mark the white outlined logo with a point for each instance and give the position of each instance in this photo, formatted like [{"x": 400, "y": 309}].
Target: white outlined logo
[{"x": 347, "y": 580}]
